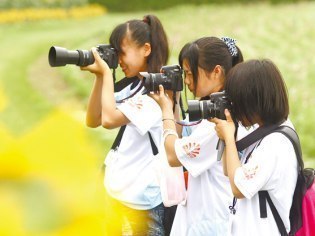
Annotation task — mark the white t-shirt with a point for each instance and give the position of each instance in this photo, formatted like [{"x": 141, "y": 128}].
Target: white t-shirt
[
  {"x": 272, "y": 166},
  {"x": 209, "y": 193},
  {"x": 129, "y": 174}
]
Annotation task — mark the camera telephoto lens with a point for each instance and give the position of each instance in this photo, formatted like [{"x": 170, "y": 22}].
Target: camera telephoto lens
[
  {"x": 59, "y": 56},
  {"x": 198, "y": 110},
  {"x": 208, "y": 109},
  {"x": 194, "y": 110},
  {"x": 153, "y": 80}
]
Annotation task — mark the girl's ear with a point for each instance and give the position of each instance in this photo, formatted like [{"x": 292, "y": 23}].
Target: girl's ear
[
  {"x": 218, "y": 70},
  {"x": 147, "y": 49}
]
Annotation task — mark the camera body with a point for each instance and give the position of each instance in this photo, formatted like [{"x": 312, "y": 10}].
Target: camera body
[
  {"x": 59, "y": 56},
  {"x": 208, "y": 109},
  {"x": 170, "y": 77},
  {"x": 108, "y": 54}
]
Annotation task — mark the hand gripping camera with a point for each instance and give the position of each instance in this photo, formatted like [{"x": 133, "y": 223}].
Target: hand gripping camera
[
  {"x": 170, "y": 78},
  {"x": 59, "y": 56},
  {"x": 207, "y": 109}
]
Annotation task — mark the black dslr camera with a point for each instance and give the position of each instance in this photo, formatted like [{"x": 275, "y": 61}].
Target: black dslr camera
[
  {"x": 171, "y": 79},
  {"x": 59, "y": 56},
  {"x": 208, "y": 109}
]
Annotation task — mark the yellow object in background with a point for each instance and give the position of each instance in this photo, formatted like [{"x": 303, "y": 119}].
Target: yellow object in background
[
  {"x": 35, "y": 14},
  {"x": 3, "y": 99},
  {"x": 49, "y": 180}
]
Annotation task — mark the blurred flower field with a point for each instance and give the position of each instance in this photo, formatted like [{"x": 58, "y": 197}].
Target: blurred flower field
[
  {"x": 33, "y": 14},
  {"x": 50, "y": 179}
]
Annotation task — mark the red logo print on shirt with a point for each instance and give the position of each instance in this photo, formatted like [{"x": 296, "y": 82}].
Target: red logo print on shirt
[
  {"x": 136, "y": 102},
  {"x": 250, "y": 172},
  {"x": 192, "y": 149}
]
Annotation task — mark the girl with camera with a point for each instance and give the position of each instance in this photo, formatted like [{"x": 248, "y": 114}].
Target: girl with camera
[
  {"x": 133, "y": 191},
  {"x": 259, "y": 96},
  {"x": 205, "y": 62}
]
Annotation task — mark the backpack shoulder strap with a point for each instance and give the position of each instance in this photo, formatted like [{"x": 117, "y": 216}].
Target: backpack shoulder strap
[
  {"x": 291, "y": 134},
  {"x": 264, "y": 196},
  {"x": 294, "y": 138},
  {"x": 254, "y": 136}
]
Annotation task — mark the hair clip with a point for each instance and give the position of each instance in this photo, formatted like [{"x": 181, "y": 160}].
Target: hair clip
[{"x": 230, "y": 43}]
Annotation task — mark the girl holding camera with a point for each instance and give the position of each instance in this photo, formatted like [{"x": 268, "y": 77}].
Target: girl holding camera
[
  {"x": 133, "y": 191},
  {"x": 205, "y": 62},
  {"x": 259, "y": 96}
]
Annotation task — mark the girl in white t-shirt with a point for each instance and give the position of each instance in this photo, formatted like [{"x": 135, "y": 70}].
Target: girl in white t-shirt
[
  {"x": 134, "y": 194},
  {"x": 258, "y": 94},
  {"x": 205, "y": 62}
]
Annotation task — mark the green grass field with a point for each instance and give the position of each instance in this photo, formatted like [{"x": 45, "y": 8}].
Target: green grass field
[{"x": 47, "y": 155}]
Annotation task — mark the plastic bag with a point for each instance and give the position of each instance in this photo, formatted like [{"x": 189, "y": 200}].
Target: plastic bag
[{"x": 171, "y": 181}]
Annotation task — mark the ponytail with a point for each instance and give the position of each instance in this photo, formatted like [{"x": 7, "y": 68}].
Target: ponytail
[
  {"x": 238, "y": 58},
  {"x": 149, "y": 30},
  {"x": 159, "y": 44}
]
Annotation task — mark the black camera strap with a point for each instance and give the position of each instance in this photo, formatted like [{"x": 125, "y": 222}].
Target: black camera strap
[
  {"x": 154, "y": 148},
  {"x": 182, "y": 108},
  {"x": 119, "y": 137},
  {"x": 181, "y": 105},
  {"x": 118, "y": 87},
  {"x": 134, "y": 84},
  {"x": 121, "y": 84},
  {"x": 232, "y": 207}
]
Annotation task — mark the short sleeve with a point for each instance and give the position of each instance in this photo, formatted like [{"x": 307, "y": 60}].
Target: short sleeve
[
  {"x": 142, "y": 111},
  {"x": 197, "y": 152},
  {"x": 263, "y": 168}
]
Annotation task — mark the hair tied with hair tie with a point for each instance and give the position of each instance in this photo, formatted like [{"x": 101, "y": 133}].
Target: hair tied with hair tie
[
  {"x": 230, "y": 43},
  {"x": 146, "y": 20}
]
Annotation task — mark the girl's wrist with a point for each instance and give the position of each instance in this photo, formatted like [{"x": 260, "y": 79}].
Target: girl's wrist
[
  {"x": 229, "y": 140},
  {"x": 166, "y": 109},
  {"x": 99, "y": 76},
  {"x": 169, "y": 120}
]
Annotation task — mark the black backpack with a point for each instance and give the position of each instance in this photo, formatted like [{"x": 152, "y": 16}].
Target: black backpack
[{"x": 304, "y": 181}]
